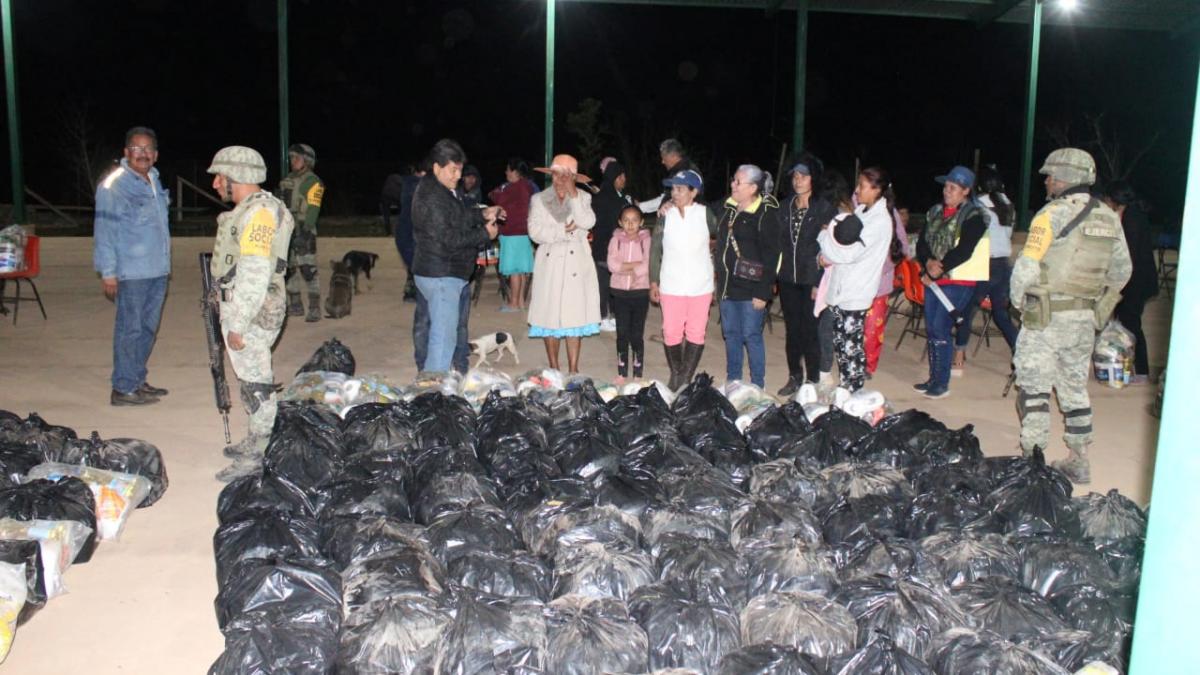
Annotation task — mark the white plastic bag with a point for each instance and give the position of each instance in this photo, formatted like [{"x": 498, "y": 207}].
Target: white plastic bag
[
  {"x": 116, "y": 494},
  {"x": 60, "y": 541},
  {"x": 13, "y": 590}
]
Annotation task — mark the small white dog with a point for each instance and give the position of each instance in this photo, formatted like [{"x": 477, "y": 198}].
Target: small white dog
[{"x": 494, "y": 342}]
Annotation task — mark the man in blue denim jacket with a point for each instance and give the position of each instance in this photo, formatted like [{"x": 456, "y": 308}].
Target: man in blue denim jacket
[{"x": 133, "y": 256}]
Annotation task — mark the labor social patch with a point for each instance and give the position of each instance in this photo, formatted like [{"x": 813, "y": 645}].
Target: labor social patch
[
  {"x": 1041, "y": 235},
  {"x": 259, "y": 234},
  {"x": 315, "y": 193}
]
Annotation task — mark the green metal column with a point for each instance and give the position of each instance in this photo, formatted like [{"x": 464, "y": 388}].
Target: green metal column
[
  {"x": 14, "y": 119},
  {"x": 1035, "y": 48},
  {"x": 549, "y": 81},
  {"x": 1165, "y": 640},
  {"x": 282, "y": 15},
  {"x": 801, "y": 74}
]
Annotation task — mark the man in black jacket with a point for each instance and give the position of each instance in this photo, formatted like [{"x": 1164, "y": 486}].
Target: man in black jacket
[
  {"x": 448, "y": 236},
  {"x": 674, "y": 161},
  {"x": 607, "y": 205}
]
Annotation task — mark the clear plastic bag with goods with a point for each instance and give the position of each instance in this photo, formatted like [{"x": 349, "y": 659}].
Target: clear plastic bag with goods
[
  {"x": 28, "y": 554},
  {"x": 593, "y": 636},
  {"x": 116, "y": 494},
  {"x": 492, "y": 635},
  {"x": 909, "y": 610},
  {"x": 811, "y": 623},
  {"x": 479, "y": 382},
  {"x": 59, "y": 543},
  {"x": 1112, "y": 354},
  {"x": 688, "y": 625},
  {"x": 544, "y": 380},
  {"x": 62, "y": 500},
  {"x": 12, "y": 600}
]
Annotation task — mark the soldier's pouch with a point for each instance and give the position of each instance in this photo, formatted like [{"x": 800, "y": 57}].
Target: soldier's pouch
[{"x": 1036, "y": 312}]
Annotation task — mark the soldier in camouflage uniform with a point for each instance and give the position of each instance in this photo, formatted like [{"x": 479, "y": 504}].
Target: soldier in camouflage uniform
[
  {"x": 302, "y": 192},
  {"x": 1066, "y": 283},
  {"x": 249, "y": 261}
]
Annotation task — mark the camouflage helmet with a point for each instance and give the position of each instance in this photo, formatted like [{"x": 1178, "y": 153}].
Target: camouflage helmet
[
  {"x": 1070, "y": 165},
  {"x": 240, "y": 165},
  {"x": 305, "y": 151}
]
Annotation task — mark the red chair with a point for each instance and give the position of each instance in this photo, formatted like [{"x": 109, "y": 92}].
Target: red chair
[
  {"x": 33, "y": 265},
  {"x": 914, "y": 291}
]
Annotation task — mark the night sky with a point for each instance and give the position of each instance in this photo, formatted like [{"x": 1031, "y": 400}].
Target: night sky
[{"x": 373, "y": 84}]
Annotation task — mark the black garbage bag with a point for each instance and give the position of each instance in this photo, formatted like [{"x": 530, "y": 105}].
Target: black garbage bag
[
  {"x": 910, "y": 424},
  {"x": 946, "y": 447},
  {"x": 29, "y": 553},
  {"x": 859, "y": 479},
  {"x": 1108, "y": 518},
  {"x": 129, "y": 455},
  {"x": 640, "y": 415},
  {"x": 378, "y": 427},
  {"x": 305, "y": 446},
  {"x": 1090, "y": 608},
  {"x": 540, "y": 524},
  {"x": 592, "y": 636},
  {"x": 269, "y": 642},
  {"x": 771, "y": 431},
  {"x": 595, "y": 571},
  {"x": 813, "y": 624},
  {"x": 515, "y": 574},
  {"x": 964, "y": 557},
  {"x": 783, "y": 480},
  {"x": 16, "y": 459},
  {"x": 899, "y": 440},
  {"x": 359, "y": 495},
  {"x": 895, "y": 558},
  {"x": 699, "y": 397},
  {"x": 1073, "y": 649},
  {"x": 429, "y": 463},
  {"x": 442, "y": 421},
  {"x": 813, "y": 449},
  {"x": 522, "y": 473},
  {"x": 493, "y": 635},
  {"x": 688, "y": 625},
  {"x": 910, "y": 610},
  {"x": 1006, "y": 608},
  {"x": 788, "y": 565},
  {"x": 963, "y": 650},
  {"x": 268, "y": 535},
  {"x": 407, "y": 570},
  {"x": 348, "y": 539},
  {"x": 478, "y": 526},
  {"x": 63, "y": 499},
  {"x": 845, "y": 431},
  {"x": 718, "y": 440},
  {"x": 249, "y": 496},
  {"x": 852, "y": 526},
  {"x": 933, "y": 512},
  {"x": 685, "y": 559},
  {"x": 397, "y": 635},
  {"x": 760, "y": 519},
  {"x": 9, "y": 421},
  {"x": 506, "y": 425},
  {"x": 649, "y": 456},
  {"x": 768, "y": 659},
  {"x": 677, "y": 518},
  {"x": 632, "y": 493},
  {"x": 1124, "y": 558},
  {"x": 1048, "y": 565},
  {"x": 606, "y": 525},
  {"x": 585, "y": 449},
  {"x": 880, "y": 656},
  {"x": 707, "y": 490},
  {"x": 299, "y": 591},
  {"x": 51, "y": 440},
  {"x": 964, "y": 479},
  {"x": 331, "y": 357},
  {"x": 1036, "y": 500},
  {"x": 452, "y": 492}
]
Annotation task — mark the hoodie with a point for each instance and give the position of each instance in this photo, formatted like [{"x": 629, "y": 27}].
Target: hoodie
[{"x": 607, "y": 205}]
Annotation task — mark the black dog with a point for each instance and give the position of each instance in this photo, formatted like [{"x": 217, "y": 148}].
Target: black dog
[
  {"x": 360, "y": 261},
  {"x": 337, "y": 303}
]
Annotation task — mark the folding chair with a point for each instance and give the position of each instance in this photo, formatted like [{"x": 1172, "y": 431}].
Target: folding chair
[
  {"x": 33, "y": 265},
  {"x": 914, "y": 293}
]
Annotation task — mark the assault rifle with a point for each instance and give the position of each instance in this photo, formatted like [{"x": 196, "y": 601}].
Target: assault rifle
[{"x": 210, "y": 310}]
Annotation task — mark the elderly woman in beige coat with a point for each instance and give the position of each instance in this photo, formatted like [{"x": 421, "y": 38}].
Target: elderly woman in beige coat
[{"x": 565, "y": 297}]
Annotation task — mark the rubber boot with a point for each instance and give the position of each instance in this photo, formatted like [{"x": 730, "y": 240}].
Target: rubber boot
[
  {"x": 314, "y": 308},
  {"x": 691, "y": 361},
  {"x": 1075, "y": 466},
  {"x": 675, "y": 363},
  {"x": 295, "y": 308}
]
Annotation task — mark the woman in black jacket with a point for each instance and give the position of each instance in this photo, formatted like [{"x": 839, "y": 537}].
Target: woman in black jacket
[
  {"x": 1143, "y": 283},
  {"x": 746, "y": 259},
  {"x": 801, "y": 218}
]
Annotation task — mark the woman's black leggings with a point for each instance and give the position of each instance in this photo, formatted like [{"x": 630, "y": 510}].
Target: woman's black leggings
[{"x": 630, "y": 309}]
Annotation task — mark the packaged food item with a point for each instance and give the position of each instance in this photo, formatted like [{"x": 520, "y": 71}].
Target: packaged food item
[
  {"x": 60, "y": 541},
  {"x": 117, "y": 494},
  {"x": 12, "y": 599}
]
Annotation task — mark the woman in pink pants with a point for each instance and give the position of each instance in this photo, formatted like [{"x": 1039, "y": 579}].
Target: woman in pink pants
[{"x": 681, "y": 275}]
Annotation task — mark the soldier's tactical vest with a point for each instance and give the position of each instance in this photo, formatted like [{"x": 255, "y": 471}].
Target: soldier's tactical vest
[
  {"x": 227, "y": 251},
  {"x": 1076, "y": 264},
  {"x": 943, "y": 235},
  {"x": 293, "y": 194}
]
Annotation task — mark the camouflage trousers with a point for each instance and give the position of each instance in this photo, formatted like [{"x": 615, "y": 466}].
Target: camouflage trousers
[
  {"x": 252, "y": 365},
  {"x": 1056, "y": 358},
  {"x": 302, "y": 263}
]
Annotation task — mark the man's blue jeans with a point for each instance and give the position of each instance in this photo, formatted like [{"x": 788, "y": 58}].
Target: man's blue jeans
[
  {"x": 440, "y": 323},
  {"x": 939, "y": 326},
  {"x": 139, "y": 308},
  {"x": 743, "y": 326}
]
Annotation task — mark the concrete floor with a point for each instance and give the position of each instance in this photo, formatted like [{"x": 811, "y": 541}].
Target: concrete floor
[{"x": 145, "y": 604}]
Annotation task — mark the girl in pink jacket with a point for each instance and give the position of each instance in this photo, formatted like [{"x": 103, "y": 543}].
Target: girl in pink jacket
[{"x": 629, "y": 264}]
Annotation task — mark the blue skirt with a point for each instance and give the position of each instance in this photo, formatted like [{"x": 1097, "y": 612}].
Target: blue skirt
[
  {"x": 516, "y": 255},
  {"x": 577, "y": 331}
]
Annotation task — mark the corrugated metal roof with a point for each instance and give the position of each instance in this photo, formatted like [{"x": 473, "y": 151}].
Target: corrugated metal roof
[{"x": 1156, "y": 15}]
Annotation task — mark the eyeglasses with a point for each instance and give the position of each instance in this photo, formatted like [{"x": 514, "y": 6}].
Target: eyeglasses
[{"x": 141, "y": 149}]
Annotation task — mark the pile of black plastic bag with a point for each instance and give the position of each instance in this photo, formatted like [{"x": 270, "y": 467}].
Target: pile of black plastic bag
[
  {"x": 560, "y": 534},
  {"x": 59, "y": 496}
]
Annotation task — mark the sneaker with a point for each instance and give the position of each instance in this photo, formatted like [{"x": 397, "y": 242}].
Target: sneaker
[
  {"x": 608, "y": 325},
  {"x": 505, "y": 309},
  {"x": 151, "y": 390},
  {"x": 790, "y": 388},
  {"x": 132, "y": 398},
  {"x": 937, "y": 392},
  {"x": 921, "y": 387}
]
